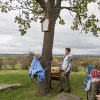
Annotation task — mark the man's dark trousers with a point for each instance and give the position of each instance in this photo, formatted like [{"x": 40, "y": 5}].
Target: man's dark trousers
[{"x": 62, "y": 80}]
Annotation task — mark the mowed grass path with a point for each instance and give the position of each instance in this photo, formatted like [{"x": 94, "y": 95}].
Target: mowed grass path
[{"x": 28, "y": 89}]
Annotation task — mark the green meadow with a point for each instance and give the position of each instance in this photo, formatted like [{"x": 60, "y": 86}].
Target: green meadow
[{"x": 27, "y": 91}]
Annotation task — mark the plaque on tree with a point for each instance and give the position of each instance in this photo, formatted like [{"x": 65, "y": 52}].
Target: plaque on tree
[{"x": 45, "y": 22}]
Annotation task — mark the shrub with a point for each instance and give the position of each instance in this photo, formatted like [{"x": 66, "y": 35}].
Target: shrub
[
  {"x": 84, "y": 64},
  {"x": 59, "y": 59},
  {"x": 18, "y": 58},
  {"x": 26, "y": 61},
  {"x": 97, "y": 65},
  {"x": 1, "y": 62},
  {"x": 87, "y": 62},
  {"x": 5, "y": 63},
  {"x": 75, "y": 58},
  {"x": 54, "y": 63},
  {"x": 75, "y": 66},
  {"x": 12, "y": 62},
  {"x": 30, "y": 58}
]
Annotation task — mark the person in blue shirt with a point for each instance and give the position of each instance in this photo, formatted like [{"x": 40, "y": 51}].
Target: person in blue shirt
[
  {"x": 87, "y": 77},
  {"x": 93, "y": 84}
]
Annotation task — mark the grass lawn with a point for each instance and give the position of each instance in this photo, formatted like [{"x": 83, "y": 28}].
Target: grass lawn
[
  {"x": 18, "y": 67},
  {"x": 28, "y": 89},
  {"x": 7, "y": 57},
  {"x": 82, "y": 69}
]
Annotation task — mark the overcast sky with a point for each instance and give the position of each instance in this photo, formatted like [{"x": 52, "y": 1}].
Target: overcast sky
[{"x": 12, "y": 42}]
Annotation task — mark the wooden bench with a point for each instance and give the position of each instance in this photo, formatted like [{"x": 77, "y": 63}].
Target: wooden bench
[{"x": 55, "y": 74}]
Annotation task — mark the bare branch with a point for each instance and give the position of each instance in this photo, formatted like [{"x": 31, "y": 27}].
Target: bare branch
[
  {"x": 70, "y": 13},
  {"x": 70, "y": 6}
]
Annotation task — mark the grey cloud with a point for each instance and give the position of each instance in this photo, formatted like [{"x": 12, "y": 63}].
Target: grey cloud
[{"x": 33, "y": 40}]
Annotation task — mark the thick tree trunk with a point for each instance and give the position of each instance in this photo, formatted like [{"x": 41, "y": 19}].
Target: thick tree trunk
[
  {"x": 52, "y": 14},
  {"x": 44, "y": 86}
]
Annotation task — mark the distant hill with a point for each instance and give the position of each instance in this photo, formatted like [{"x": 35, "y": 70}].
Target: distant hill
[
  {"x": 5, "y": 55},
  {"x": 78, "y": 55},
  {"x": 14, "y": 55}
]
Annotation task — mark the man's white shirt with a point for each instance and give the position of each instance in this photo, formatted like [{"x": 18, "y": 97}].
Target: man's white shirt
[{"x": 65, "y": 64}]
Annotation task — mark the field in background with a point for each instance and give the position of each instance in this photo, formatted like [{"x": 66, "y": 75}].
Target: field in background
[{"x": 23, "y": 62}]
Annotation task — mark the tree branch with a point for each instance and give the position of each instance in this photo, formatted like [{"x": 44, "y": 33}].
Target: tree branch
[
  {"x": 57, "y": 11},
  {"x": 42, "y": 3},
  {"x": 58, "y": 4},
  {"x": 51, "y": 3},
  {"x": 78, "y": 16},
  {"x": 69, "y": 8},
  {"x": 15, "y": 8}
]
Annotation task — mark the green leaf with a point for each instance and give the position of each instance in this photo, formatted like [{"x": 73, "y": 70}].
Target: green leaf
[
  {"x": 59, "y": 17},
  {"x": 31, "y": 18}
]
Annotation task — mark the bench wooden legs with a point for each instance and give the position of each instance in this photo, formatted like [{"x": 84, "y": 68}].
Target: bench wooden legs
[{"x": 34, "y": 76}]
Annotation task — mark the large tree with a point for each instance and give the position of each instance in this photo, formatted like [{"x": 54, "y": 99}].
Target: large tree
[{"x": 34, "y": 9}]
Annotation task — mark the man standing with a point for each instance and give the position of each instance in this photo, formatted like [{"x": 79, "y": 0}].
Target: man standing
[{"x": 66, "y": 67}]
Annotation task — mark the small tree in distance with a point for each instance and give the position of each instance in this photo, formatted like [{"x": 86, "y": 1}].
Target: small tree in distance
[
  {"x": 12, "y": 62},
  {"x": 30, "y": 58},
  {"x": 26, "y": 61},
  {"x": 1, "y": 63}
]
